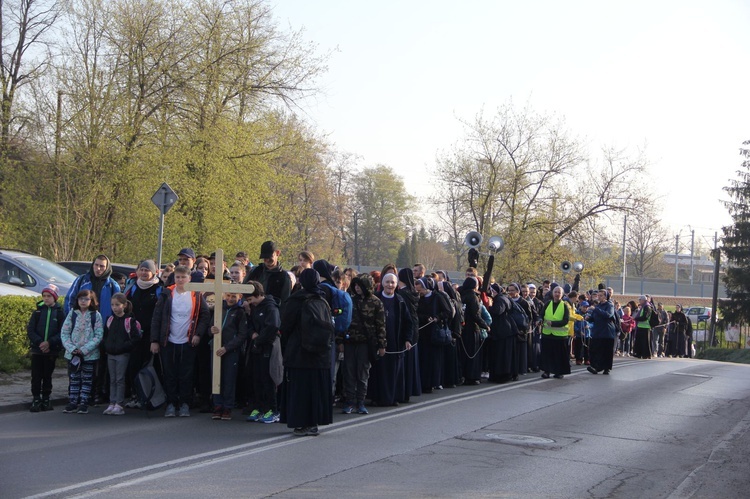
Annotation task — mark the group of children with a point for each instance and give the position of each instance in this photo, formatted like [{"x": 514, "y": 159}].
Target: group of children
[{"x": 80, "y": 334}]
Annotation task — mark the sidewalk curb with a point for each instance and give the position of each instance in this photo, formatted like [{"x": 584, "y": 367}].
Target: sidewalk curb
[{"x": 24, "y": 406}]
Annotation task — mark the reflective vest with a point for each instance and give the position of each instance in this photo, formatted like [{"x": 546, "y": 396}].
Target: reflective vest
[
  {"x": 557, "y": 315},
  {"x": 645, "y": 323}
]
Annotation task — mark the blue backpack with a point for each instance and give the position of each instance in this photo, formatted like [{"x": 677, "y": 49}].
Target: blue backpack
[{"x": 341, "y": 308}]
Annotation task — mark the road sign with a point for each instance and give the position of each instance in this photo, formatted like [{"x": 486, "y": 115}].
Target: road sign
[{"x": 164, "y": 198}]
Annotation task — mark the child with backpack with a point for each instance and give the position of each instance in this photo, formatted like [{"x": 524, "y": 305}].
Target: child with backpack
[
  {"x": 263, "y": 327},
  {"x": 122, "y": 334},
  {"x": 233, "y": 336},
  {"x": 81, "y": 334},
  {"x": 43, "y": 331}
]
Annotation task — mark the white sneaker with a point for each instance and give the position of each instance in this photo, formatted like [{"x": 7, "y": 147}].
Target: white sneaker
[
  {"x": 118, "y": 410},
  {"x": 109, "y": 409}
]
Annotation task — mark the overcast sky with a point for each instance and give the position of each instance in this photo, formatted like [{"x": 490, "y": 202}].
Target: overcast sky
[{"x": 670, "y": 75}]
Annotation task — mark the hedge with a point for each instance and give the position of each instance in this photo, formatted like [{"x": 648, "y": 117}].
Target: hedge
[{"x": 15, "y": 312}]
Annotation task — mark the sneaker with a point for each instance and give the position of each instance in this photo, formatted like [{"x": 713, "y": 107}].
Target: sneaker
[
  {"x": 254, "y": 416},
  {"x": 184, "y": 411},
  {"x": 46, "y": 404},
  {"x": 226, "y": 415},
  {"x": 217, "y": 412},
  {"x": 300, "y": 432},
  {"x": 70, "y": 408},
  {"x": 36, "y": 405},
  {"x": 118, "y": 410},
  {"x": 312, "y": 431},
  {"x": 83, "y": 409},
  {"x": 348, "y": 409},
  {"x": 361, "y": 409},
  {"x": 170, "y": 411},
  {"x": 269, "y": 417},
  {"x": 108, "y": 410},
  {"x": 132, "y": 403}
]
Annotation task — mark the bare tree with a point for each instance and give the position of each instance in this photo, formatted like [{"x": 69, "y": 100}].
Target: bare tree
[{"x": 646, "y": 241}]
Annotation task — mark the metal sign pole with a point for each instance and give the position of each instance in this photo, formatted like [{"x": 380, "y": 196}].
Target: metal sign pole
[
  {"x": 161, "y": 239},
  {"x": 164, "y": 198}
]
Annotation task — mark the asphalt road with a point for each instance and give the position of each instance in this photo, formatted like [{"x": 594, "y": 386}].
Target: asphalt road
[{"x": 659, "y": 428}]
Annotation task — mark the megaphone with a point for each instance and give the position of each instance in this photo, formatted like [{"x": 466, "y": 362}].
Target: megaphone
[
  {"x": 565, "y": 267},
  {"x": 578, "y": 267},
  {"x": 473, "y": 239},
  {"x": 496, "y": 243}
]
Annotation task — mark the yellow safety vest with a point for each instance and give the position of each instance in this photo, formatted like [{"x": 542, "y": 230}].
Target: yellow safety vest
[{"x": 557, "y": 315}]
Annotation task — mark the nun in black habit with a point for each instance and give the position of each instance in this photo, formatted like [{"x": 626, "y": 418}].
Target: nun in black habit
[
  {"x": 307, "y": 398},
  {"x": 502, "y": 338},
  {"x": 412, "y": 379}
]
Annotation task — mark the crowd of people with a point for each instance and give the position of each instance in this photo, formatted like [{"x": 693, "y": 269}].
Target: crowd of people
[{"x": 296, "y": 344}]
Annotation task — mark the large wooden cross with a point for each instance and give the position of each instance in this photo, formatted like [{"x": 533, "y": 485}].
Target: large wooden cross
[{"x": 218, "y": 287}]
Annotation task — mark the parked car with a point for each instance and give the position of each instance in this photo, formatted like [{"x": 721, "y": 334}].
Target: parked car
[
  {"x": 33, "y": 272},
  {"x": 698, "y": 314},
  {"x": 80, "y": 267},
  {"x": 11, "y": 290}
]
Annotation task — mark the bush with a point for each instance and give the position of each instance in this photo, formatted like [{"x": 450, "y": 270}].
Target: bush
[{"x": 15, "y": 312}]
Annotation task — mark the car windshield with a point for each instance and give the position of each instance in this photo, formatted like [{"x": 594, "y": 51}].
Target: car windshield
[{"x": 47, "y": 270}]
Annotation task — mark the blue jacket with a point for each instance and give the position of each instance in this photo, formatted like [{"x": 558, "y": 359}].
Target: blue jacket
[
  {"x": 105, "y": 298},
  {"x": 602, "y": 317}
]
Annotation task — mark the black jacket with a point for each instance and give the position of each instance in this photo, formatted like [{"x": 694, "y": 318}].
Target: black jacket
[
  {"x": 117, "y": 339},
  {"x": 276, "y": 282},
  {"x": 434, "y": 306},
  {"x": 235, "y": 329},
  {"x": 265, "y": 320},
  {"x": 473, "y": 321},
  {"x": 37, "y": 327},
  {"x": 291, "y": 337},
  {"x": 501, "y": 326}
]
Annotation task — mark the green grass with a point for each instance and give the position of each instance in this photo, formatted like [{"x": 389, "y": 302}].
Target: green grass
[{"x": 739, "y": 356}]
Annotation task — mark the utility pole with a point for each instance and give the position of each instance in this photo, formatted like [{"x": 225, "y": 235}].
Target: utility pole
[
  {"x": 692, "y": 252},
  {"x": 356, "y": 241},
  {"x": 676, "y": 261},
  {"x": 624, "y": 253},
  {"x": 715, "y": 297}
]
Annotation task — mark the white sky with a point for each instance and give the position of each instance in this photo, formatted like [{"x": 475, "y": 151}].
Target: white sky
[{"x": 670, "y": 75}]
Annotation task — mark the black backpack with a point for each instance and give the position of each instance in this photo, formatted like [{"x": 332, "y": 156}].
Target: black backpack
[
  {"x": 653, "y": 319},
  {"x": 519, "y": 317},
  {"x": 316, "y": 324}
]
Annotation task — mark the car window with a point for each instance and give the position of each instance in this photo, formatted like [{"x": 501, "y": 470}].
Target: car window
[
  {"x": 47, "y": 270},
  {"x": 10, "y": 272}
]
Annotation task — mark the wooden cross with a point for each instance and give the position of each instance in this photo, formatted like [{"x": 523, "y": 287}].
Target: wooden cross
[{"x": 218, "y": 287}]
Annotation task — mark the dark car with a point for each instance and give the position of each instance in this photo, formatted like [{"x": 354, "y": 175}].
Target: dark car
[{"x": 79, "y": 267}]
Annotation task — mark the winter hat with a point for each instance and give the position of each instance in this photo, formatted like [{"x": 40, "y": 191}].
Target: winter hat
[
  {"x": 52, "y": 289},
  {"x": 470, "y": 283},
  {"x": 148, "y": 264}
]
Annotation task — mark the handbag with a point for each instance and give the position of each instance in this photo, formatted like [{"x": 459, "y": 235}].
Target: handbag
[{"x": 441, "y": 335}]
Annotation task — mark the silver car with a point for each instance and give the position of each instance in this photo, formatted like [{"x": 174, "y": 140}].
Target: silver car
[{"x": 33, "y": 272}]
